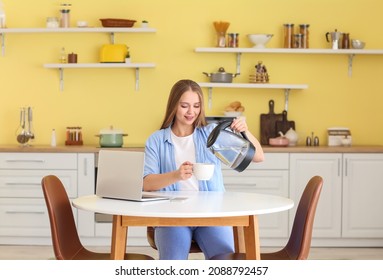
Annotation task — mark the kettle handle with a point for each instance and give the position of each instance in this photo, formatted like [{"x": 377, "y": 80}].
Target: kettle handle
[{"x": 221, "y": 126}]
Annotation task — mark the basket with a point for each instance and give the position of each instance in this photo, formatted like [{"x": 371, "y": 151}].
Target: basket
[{"x": 116, "y": 22}]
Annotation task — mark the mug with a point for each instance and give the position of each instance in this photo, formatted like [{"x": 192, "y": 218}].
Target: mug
[{"x": 203, "y": 171}]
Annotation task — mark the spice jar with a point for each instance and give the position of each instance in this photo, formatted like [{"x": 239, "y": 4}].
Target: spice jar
[
  {"x": 52, "y": 22},
  {"x": 232, "y": 40},
  {"x": 288, "y": 32},
  {"x": 304, "y": 30},
  {"x": 297, "y": 42}
]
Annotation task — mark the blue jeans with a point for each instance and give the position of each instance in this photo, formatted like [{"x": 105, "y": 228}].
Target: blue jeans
[{"x": 173, "y": 243}]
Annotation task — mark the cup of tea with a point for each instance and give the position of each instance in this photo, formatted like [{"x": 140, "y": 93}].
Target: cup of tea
[{"x": 203, "y": 171}]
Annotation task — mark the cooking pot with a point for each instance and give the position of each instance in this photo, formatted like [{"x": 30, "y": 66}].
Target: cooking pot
[
  {"x": 221, "y": 76},
  {"x": 234, "y": 150},
  {"x": 111, "y": 137}
]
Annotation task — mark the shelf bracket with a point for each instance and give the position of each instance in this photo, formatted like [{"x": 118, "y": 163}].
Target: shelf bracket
[
  {"x": 137, "y": 79},
  {"x": 238, "y": 63},
  {"x": 61, "y": 73},
  {"x": 2, "y": 43},
  {"x": 112, "y": 37},
  {"x": 287, "y": 92},
  {"x": 210, "y": 97},
  {"x": 350, "y": 60}
]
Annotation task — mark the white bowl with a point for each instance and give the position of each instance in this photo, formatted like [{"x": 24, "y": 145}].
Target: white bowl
[
  {"x": 357, "y": 44},
  {"x": 259, "y": 40},
  {"x": 232, "y": 114}
]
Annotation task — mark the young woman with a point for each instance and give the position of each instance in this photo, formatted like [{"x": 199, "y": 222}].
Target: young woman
[{"x": 169, "y": 156}]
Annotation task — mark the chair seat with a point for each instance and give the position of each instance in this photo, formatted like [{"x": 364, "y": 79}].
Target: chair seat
[
  {"x": 280, "y": 255},
  {"x": 85, "y": 254},
  {"x": 194, "y": 248}
]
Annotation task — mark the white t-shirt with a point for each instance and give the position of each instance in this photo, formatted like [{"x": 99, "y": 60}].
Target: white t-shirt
[{"x": 184, "y": 150}]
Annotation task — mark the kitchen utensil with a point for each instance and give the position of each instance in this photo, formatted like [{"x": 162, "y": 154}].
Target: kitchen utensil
[
  {"x": 117, "y": 22},
  {"x": 113, "y": 53},
  {"x": 284, "y": 125},
  {"x": 232, "y": 149},
  {"x": 111, "y": 137},
  {"x": 221, "y": 76},
  {"x": 22, "y": 137},
  {"x": 259, "y": 40},
  {"x": 357, "y": 44},
  {"x": 268, "y": 124},
  {"x": 30, "y": 133},
  {"x": 292, "y": 136},
  {"x": 280, "y": 141},
  {"x": 335, "y": 36}
]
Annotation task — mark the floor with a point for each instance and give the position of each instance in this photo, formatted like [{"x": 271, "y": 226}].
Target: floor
[{"x": 46, "y": 252}]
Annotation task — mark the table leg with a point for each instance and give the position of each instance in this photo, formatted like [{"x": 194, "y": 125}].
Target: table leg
[
  {"x": 119, "y": 237},
  {"x": 251, "y": 233},
  {"x": 239, "y": 240}
]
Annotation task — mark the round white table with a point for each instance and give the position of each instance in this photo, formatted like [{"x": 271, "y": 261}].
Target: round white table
[{"x": 237, "y": 209}]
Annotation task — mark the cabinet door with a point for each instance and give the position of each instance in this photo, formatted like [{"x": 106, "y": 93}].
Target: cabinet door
[
  {"x": 266, "y": 182},
  {"x": 362, "y": 196},
  {"x": 303, "y": 166}
]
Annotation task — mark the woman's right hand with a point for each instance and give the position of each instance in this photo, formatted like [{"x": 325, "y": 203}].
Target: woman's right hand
[{"x": 186, "y": 170}]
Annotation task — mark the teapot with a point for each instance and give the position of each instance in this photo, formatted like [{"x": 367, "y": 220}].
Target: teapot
[
  {"x": 292, "y": 136},
  {"x": 232, "y": 149}
]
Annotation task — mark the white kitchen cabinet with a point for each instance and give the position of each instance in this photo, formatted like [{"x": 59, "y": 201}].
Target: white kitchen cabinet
[
  {"x": 349, "y": 208},
  {"x": 268, "y": 177},
  {"x": 303, "y": 166},
  {"x": 362, "y": 196},
  {"x": 23, "y": 213}
]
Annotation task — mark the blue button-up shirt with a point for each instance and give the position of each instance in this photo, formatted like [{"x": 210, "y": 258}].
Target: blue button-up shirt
[{"x": 160, "y": 158}]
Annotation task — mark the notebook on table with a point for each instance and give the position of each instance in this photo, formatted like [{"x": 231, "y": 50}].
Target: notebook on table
[{"x": 120, "y": 176}]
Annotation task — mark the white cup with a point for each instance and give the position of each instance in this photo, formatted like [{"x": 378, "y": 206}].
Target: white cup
[{"x": 203, "y": 171}]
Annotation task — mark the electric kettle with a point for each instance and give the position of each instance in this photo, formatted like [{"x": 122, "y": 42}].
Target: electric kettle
[{"x": 232, "y": 149}]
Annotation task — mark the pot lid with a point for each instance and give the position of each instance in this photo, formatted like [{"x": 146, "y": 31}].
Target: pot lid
[{"x": 111, "y": 130}]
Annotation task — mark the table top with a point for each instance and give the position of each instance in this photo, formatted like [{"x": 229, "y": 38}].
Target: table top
[{"x": 189, "y": 205}]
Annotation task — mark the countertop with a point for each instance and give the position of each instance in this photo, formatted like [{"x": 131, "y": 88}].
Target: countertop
[{"x": 266, "y": 149}]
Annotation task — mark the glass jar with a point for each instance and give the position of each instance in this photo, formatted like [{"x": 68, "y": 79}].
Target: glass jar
[
  {"x": 288, "y": 32},
  {"x": 52, "y": 22},
  {"x": 232, "y": 40},
  {"x": 221, "y": 39},
  {"x": 297, "y": 42},
  {"x": 304, "y": 30}
]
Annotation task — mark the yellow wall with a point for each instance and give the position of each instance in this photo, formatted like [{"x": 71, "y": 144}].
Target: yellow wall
[{"x": 97, "y": 98}]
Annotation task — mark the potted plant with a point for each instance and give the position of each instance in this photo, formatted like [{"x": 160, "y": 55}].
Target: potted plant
[{"x": 144, "y": 23}]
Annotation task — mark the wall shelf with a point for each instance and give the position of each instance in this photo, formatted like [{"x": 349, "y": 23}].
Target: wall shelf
[
  {"x": 109, "y": 30},
  {"x": 62, "y": 66},
  {"x": 285, "y": 87},
  {"x": 238, "y": 51}
]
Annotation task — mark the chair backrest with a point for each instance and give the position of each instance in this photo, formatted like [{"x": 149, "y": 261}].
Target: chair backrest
[
  {"x": 298, "y": 246},
  {"x": 65, "y": 239}
]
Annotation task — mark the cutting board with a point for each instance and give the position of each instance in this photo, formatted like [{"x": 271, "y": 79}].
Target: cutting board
[
  {"x": 268, "y": 124},
  {"x": 284, "y": 125}
]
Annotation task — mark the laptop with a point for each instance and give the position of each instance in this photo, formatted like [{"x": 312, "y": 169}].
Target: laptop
[{"x": 120, "y": 176}]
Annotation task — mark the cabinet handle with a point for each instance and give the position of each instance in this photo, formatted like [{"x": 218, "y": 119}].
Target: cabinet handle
[
  {"x": 22, "y": 183},
  {"x": 85, "y": 167},
  {"x": 345, "y": 167},
  {"x": 25, "y": 160},
  {"x": 25, "y": 212}
]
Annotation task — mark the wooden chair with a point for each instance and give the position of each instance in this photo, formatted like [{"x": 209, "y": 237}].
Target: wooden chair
[
  {"x": 298, "y": 245},
  {"x": 65, "y": 239},
  {"x": 194, "y": 248}
]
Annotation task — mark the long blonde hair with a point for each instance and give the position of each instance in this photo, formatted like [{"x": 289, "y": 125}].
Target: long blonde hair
[{"x": 176, "y": 92}]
